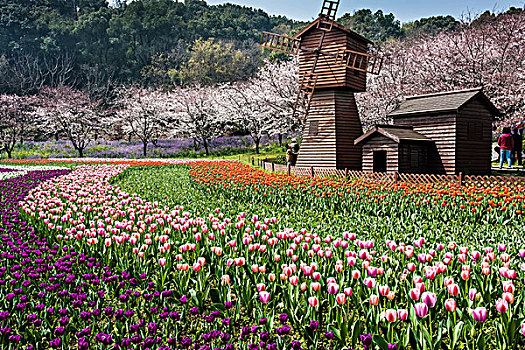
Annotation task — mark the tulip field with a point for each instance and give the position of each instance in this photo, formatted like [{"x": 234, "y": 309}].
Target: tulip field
[{"x": 215, "y": 255}]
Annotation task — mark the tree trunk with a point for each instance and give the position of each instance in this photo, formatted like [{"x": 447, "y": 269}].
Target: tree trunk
[
  {"x": 195, "y": 145},
  {"x": 280, "y": 140},
  {"x": 9, "y": 153},
  {"x": 80, "y": 152},
  {"x": 205, "y": 142},
  {"x": 144, "y": 148},
  {"x": 257, "y": 143}
]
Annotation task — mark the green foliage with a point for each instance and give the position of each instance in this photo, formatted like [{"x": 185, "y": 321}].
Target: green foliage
[
  {"x": 212, "y": 62},
  {"x": 430, "y": 26},
  {"x": 143, "y": 41},
  {"x": 376, "y": 26}
]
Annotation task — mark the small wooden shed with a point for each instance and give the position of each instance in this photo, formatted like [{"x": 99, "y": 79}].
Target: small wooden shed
[
  {"x": 389, "y": 148},
  {"x": 459, "y": 123}
]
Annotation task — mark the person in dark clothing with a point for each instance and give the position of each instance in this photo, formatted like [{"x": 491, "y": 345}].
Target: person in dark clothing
[
  {"x": 518, "y": 145},
  {"x": 506, "y": 144},
  {"x": 295, "y": 150}
]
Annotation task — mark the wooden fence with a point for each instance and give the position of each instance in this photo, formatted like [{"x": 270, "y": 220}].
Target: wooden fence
[{"x": 460, "y": 179}]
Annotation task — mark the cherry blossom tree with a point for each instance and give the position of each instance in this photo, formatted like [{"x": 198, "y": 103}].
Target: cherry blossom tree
[
  {"x": 72, "y": 113},
  {"x": 487, "y": 53},
  {"x": 145, "y": 114},
  {"x": 276, "y": 84},
  {"x": 197, "y": 114},
  {"x": 16, "y": 117}
]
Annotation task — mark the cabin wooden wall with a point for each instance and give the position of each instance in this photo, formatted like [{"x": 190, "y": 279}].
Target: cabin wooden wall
[
  {"x": 330, "y": 74},
  {"x": 441, "y": 129},
  {"x": 333, "y": 114},
  {"x": 474, "y": 139},
  {"x": 408, "y": 165},
  {"x": 379, "y": 142}
]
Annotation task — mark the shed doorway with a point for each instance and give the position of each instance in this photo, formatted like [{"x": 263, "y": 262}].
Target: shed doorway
[{"x": 379, "y": 161}]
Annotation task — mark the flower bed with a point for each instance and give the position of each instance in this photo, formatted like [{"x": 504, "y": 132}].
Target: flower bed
[{"x": 117, "y": 269}]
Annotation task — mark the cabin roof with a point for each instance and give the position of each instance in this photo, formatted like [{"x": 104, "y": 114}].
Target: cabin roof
[
  {"x": 394, "y": 132},
  {"x": 336, "y": 25},
  {"x": 450, "y": 101}
]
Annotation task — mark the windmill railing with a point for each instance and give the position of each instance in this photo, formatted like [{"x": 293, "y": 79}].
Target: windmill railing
[{"x": 460, "y": 180}]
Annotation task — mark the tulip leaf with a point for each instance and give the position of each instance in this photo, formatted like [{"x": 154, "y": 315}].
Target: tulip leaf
[{"x": 379, "y": 340}]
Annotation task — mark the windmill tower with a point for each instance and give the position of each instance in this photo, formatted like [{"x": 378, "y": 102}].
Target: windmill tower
[{"x": 333, "y": 64}]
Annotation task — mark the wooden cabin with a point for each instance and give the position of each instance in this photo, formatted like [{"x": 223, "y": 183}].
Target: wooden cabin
[
  {"x": 459, "y": 123},
  {"x": 391, "y": 148}
]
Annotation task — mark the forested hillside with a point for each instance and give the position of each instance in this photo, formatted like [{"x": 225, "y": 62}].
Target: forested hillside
[
  {"x": 50, "y": 42},
  {"x": 88, "y": 44}
]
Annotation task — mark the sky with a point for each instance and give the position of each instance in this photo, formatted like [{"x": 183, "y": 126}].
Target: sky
[{"x": 404, "y": 10}]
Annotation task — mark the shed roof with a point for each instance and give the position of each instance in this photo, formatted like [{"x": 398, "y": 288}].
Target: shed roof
[
  {"x": 336, "y": 25},
  {"x": 450, "y": 101},
  {"x": 394, "y": 132}
]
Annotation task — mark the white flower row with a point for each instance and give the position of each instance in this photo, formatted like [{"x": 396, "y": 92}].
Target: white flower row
[{"x": 21, "y": 170}]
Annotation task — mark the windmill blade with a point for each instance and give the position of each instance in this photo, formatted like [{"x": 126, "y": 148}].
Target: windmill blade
[
  {"x": 359, "y": 61},
  {"x": 304, "y": 96},
  {"x": 329, "y": 9},
  {"x": 281, "y": 43}
]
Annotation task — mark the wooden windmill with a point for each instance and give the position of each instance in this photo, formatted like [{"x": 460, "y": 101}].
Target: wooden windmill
[{"x": 333, "y": 64}]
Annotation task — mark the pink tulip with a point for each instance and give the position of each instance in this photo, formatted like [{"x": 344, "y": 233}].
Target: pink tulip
[
  {"x": 429, "y": 299},
  {"x": 453, "y": 289},
  {"x": 479, "y": 314},
  {"x": 264, "y": 297},
  {"x": 340, "y": 298},
  {"x": 391, "y": 315},
  {"x": 502, "y": 306},
  {"x": 509, "y": 297},
  {"x": 348, "y": 291},
  {"x": 523, "y": 329},
  {"x": 384, "y": 290},
  {"x": 162, "y": 261},
  {"x": 374, "y": 299},
  {"x": 369, "y": 282},
  {"x": 421, "y": 310},
  {"x": 315, "y": 286},
  {"x": 196, "y": 267},
  {"x": 225, "y": 280},
  {"x": 508, "y": 287},
  {"x": 402, "y": 314},
  {"x": 313, "y": 301},
  {"x": 472, "y": 294},
  {"x": 333, "y": 288},
  {"x": 294, "y": 280},
  {"x": 414, "y": 294},
  {"x": 450, "y": 305}
]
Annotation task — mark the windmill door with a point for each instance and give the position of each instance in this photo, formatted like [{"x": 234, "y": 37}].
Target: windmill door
[{"x": 379, "y": 161}]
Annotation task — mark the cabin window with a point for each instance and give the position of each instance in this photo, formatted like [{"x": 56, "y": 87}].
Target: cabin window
[
  {"x": 314, "y": 128},
  {"x": 475, "y": 130},
  {"x": 380, "y": 161},
  {"x": 414, "y": 158}
]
